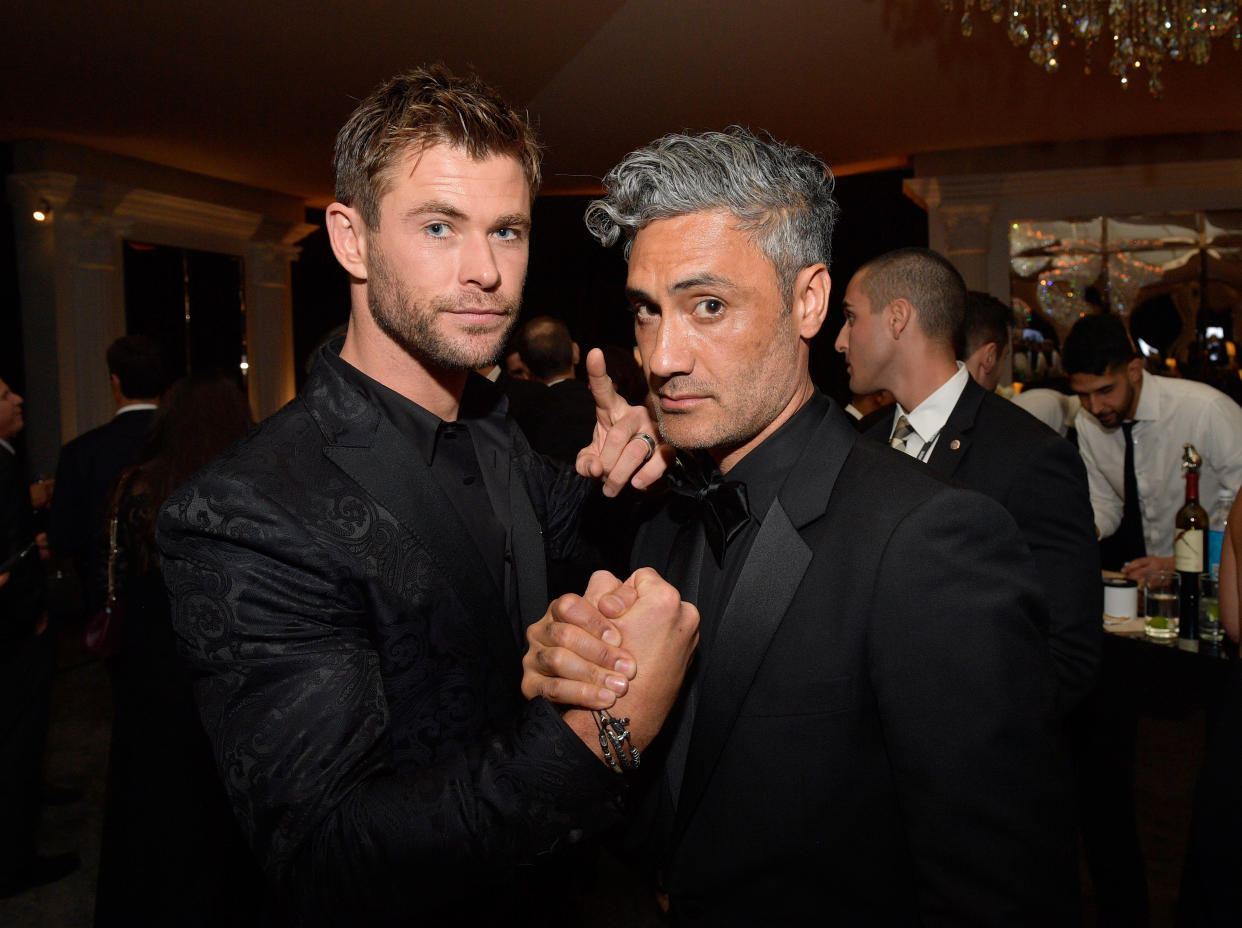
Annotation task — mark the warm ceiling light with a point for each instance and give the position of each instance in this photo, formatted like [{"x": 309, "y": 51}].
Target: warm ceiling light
[{"x": 42, "y": 211}]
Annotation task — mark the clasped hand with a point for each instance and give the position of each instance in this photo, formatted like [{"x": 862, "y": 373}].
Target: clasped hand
[{"x": 576, "y": 655}]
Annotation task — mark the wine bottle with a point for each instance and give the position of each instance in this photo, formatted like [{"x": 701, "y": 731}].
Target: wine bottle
[{"x": 1190, "y": 547}]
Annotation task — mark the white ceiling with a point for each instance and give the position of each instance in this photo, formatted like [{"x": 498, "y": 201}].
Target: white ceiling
[{"x": 253, "y": 91}]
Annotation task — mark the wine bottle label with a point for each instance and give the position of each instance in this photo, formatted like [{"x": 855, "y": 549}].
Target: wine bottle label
[{"x": 1188, "y": 550}]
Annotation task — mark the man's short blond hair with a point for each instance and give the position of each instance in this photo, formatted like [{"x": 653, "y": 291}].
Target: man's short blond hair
[{"x": 414, "y": 111}]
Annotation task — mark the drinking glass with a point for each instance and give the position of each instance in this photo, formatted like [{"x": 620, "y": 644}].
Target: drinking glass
[
  {"x": 1209, "y": 611},
  {"x": 1161, "y": 604}
]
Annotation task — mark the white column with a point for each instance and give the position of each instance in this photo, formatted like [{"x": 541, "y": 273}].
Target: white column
[
  {"x": 269, "y": 326},
  {"x": 90, "y": 315},
  {"x": 72, "y": 294}
]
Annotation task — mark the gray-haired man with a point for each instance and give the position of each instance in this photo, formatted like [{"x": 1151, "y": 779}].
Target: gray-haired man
[{"x": 866, "y": 735}]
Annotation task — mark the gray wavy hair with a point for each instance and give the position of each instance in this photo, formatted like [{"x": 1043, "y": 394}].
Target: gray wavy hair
[{"x": 781, "y": 195}]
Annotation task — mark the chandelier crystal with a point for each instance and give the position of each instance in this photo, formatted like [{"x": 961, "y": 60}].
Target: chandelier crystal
[{"x": 1145, "y": 33}]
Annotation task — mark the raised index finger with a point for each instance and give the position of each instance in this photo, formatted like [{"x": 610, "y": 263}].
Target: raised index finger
[{"x": 602, "y": 388}]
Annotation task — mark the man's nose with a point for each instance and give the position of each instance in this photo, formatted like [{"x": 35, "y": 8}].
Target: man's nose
[
  {"x": 842, "y": 343},
  {"x": 478, "y": 264},
  {"x": 669, "y": 352}
]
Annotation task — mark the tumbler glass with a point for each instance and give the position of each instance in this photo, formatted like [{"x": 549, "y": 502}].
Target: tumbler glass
[{"x": 1161, "y": 604}]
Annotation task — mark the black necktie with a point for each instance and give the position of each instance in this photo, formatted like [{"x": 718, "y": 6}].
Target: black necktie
[
  {"x": 721, "y": 504},
  {"x": 1130, "y": 531}
]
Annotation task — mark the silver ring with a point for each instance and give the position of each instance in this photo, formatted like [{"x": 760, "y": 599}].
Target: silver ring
[{"x": 651, "y": 445}]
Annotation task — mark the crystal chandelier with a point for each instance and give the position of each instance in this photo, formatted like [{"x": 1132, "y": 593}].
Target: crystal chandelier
[{"x": 1145, "y": 33}]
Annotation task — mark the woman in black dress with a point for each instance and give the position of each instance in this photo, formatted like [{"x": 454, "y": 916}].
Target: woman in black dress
[{"x": 171, "y": 853}]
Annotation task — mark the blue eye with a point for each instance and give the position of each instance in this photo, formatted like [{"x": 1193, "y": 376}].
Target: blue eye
[
  {"x": 438, "y": 229},
  {"x": 506, "y": 234}
]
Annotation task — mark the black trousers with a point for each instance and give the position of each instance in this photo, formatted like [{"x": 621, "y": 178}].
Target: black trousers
[{"x": 26, "y": 671}]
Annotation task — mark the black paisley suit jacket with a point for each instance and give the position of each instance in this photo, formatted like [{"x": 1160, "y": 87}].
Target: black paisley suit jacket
[{"x": 357, "y": 671}]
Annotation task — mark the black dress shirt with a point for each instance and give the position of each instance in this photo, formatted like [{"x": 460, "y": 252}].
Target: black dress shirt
[{"x": 453, "y": 450}]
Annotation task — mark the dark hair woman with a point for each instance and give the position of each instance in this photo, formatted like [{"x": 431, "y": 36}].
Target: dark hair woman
[{"x": 171, "y": 852}]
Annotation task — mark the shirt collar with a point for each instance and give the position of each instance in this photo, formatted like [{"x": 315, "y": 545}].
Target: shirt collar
[
  {"x": 1149, "y": 398},
  {"x": 930, "y": 416},
  {"x": 134, "y": 407},
  {"x": 481, "y": 400},
  {"x": 765, "y": 468}
]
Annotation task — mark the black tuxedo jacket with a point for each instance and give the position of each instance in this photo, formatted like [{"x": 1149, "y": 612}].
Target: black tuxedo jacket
[
  {"x": 873, "y": 740},
  {"x": 999, "y": 449},
  {"x": 87, "y": 469},
  {"x": 358, "y": 672}
]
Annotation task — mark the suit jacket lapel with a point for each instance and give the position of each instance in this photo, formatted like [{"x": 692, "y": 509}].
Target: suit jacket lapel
[
  {"x": 525, "y": 558},
  {"x": 954, "y": 439},
  {"x": 394, "y": 474},
  {"x": 765, "y": 588},
  {"x": 387, "y": 465},
  {"x": 527, "y": 564}
]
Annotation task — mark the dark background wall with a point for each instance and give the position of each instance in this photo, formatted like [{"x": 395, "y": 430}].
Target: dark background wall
[
  {"x": 11, "y": 367},
  {"x": 570, "y": 275}
]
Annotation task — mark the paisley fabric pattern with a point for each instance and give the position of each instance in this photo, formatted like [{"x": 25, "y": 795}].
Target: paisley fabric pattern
[{"x": 357, "y": 674}]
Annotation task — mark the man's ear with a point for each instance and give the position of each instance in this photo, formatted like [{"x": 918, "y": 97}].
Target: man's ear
[
  {"x": 347, "y": 233},
  {"x": 897, "y": 316},
  {"x": 811, "y": 290},
  {"x": 577, "y": 354},
  {"x": 1134, "y": 371},
  {"x": 991, "y": 357}
]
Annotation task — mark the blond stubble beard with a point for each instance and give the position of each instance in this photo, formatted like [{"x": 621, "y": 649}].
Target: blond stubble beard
[{"x": 412, "y": 325}]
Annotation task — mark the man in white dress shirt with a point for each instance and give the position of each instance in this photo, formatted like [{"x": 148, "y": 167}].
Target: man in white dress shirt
[{"x": 1161, "y": 414}]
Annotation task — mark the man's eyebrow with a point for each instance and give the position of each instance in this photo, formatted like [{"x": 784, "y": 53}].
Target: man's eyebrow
[
  {"x": 434, "y": 207},
  {"x": 635, "y": 295},
  {"x": 706, "y": 279},
  {"x": 513, "y": 219}
]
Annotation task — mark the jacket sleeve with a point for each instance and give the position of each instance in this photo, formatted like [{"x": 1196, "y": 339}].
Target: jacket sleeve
[
  {"x": 965, "y": 699},
  {"x": 558, "y": 494},
  {"x": 1049, "y": 500},
  {"x": 287, "y": 678}
]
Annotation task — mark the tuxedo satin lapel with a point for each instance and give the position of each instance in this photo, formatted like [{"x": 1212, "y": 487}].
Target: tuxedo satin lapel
[
  {"x": 765, "y": 587},
  {"x": 394, "y": 474},
  {"x": 954, "y": 440}
]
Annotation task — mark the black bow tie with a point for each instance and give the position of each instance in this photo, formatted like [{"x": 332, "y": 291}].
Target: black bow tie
[{"x": 720, "y": 504}]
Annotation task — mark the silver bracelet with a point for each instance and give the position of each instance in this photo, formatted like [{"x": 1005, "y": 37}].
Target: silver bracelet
[{"x": 614, "y": 739}]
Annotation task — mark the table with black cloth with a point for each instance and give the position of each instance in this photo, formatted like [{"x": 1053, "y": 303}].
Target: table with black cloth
[{"x": 1141, "y": 678}]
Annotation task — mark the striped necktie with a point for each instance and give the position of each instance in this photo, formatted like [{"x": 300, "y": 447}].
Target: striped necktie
[{"x": 902, "y": 432}]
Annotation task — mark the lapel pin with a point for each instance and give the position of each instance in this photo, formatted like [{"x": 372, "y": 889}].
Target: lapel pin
[{"x": 954, "y": 445}]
